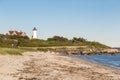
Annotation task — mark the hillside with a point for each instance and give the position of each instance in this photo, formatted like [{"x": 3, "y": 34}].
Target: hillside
[{"x": 10, "y": 41}]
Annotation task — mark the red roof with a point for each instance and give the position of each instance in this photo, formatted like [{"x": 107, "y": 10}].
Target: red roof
[
  {"x": 11, "y": 32},
  {"x": 16, "y": 33}
]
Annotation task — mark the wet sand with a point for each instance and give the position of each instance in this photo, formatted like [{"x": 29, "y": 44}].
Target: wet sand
[{"x": 52, "y": 66}]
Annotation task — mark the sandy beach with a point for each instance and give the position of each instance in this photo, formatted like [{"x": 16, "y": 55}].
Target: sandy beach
[{"x": 52, "y": 66}]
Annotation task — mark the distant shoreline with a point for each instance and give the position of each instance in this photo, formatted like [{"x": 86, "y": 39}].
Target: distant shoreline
[
  {"x": 63, "y": 50},
  {"x": 74, "y": 50}
]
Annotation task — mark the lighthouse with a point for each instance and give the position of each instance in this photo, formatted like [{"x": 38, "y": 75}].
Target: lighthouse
[{"x": 34, "y": 36}]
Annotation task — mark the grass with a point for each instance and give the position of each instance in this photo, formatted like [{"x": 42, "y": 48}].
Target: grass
[
  {"x": 16, "y": 51},
  {"x": 11, "y": 51},
  {"x": 28, "y": 48},
  {"x": 19, "y": 51}
]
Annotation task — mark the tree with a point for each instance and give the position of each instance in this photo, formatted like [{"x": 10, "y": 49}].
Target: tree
[
  {"x": 57, "y": 38},
  {"x": 77, "y": 40}
]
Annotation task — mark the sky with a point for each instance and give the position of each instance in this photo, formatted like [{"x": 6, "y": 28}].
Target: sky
[{"x": 94, "y": 20}]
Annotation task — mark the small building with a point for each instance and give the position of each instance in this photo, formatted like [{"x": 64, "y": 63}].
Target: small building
[
  {"x": 17, "y": 33},
  {"x": 34, "y": 35}
]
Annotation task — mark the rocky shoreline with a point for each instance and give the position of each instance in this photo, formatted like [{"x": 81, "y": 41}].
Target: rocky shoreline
[
  {"x": 88, "y": 52},
  {"x": 79, "y": 50}
]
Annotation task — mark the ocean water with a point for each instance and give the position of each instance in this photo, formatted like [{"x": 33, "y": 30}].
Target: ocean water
[{"x": 105, "y": 59}]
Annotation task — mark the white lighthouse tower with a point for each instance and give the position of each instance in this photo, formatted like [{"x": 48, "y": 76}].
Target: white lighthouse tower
[{"x": 34, "y": 36}]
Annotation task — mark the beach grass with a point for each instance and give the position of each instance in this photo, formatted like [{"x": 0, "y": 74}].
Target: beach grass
[
  {"x": 19, "y": 51},
  {"x": 11, "y": 51}
]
